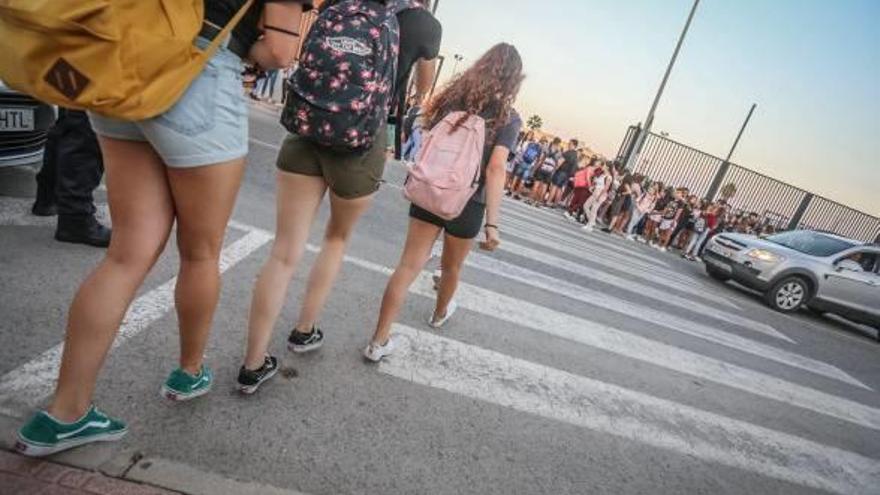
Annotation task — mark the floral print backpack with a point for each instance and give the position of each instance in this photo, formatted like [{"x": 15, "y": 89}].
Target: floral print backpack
[{"x": 340, "y": 94}]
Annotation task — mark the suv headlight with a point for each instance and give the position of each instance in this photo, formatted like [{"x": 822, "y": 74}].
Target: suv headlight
[{"x": 764, "y": 255}]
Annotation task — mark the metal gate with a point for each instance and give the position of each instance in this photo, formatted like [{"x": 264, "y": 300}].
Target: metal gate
[{"x": 782, "y": 204}]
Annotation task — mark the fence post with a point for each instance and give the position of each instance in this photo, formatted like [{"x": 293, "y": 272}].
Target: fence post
[
  {"x": 795, "y": 221},
  {"x": 715, "y": 186},
  {"x": 630, "y": 146}
]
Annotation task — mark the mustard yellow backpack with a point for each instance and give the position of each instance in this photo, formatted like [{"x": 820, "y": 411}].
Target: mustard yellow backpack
[{"x": 128, "y": 59}]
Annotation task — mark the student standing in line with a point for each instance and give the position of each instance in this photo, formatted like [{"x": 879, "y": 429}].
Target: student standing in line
[
  {"x": 184, "y": 167},
  {"x": 564, "y": 171},
  {"x": 702, "y": 227},
  {"x": 545, "y": 168},
  {"x": 488, "y": 90},
  {"x": 644, "y": 205},
  {"x": 598, "y": 193},
  {"x": 621, "y": 204},
  {"x": 672, "y": 216},
  {"x": 307, "y": 170},
  {"x": 582, "y": 180},
  {"x": 522, "y": 172}
]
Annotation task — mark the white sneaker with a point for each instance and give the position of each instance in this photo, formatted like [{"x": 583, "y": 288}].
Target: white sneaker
[
  {"x": 630, "y": 237},
  {"x": 587, "y": 228},
  {"x": 450, "y": 310},
  {"x": 663, "y": 249},
  {"x": 375, "y": 352},
  {"x": 567, "y": 215}
]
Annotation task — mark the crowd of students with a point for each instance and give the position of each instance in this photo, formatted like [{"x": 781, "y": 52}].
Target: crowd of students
[
  {"x": 185, "y": 167},
  {"x": 594, "y": 191}
]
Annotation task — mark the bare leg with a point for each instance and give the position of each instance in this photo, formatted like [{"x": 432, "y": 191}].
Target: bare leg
[
  {"x": 298, "y": 199},
  {"x": 455, "y": 250},
  {"x": 344, "y": 214},
  {"x": 416, "y": 252},
  {"x": 142, "y": 211},
  {"x": 203, "y": 200}
]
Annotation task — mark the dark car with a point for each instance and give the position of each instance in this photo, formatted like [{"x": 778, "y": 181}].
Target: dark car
[{"x": 24, "y": 122}]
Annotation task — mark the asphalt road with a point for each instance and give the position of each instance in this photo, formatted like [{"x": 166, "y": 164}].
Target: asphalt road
[{"x": 577, "y": 364}]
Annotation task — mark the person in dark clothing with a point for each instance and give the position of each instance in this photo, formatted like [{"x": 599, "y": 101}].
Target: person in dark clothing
[
  {"x": 72, "y": 169},
  {"x": 420, "y": 35}
]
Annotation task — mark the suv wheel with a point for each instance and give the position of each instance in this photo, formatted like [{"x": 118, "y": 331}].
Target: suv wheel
[
  {"x": 788, "y": 294},
  {"x": 717, "y": 274}
]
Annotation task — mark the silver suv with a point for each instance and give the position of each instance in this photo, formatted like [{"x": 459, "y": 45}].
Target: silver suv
[{"x": 826, "y": 272}]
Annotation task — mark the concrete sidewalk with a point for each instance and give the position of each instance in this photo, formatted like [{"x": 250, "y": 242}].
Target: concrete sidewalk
[{"x": 23, "y": 475}]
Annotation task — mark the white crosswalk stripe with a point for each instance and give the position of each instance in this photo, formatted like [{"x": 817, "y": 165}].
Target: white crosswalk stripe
[
  {"x": 560, "y": 226},
  {"x": 634, "y": 286},
  {"x": 554, "y": 393},
  {"x": 653, "y": 274},
  {"x": 640, "y": 312},
  {"x": 590, "y": 251},
  {"x": 572, "y": 232},
  {"x": 488, "y": 376},
  {"x": 529, "y": 315}
]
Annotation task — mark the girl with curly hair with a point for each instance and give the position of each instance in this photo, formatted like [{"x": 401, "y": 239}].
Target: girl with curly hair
[{"x": 487, "y": 89}]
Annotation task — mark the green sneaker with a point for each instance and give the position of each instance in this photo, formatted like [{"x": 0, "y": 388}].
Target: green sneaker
[
  {"x": 44, "y": 435},
  {"x": 180, "y": 385}
]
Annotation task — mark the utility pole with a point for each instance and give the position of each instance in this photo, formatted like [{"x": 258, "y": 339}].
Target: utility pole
[
  {"x": 725, "y": 165},
  {"x": 649, "y": 121}
]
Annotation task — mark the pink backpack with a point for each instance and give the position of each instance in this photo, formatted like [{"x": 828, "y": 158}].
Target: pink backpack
[{"x": 447, "y": 170}]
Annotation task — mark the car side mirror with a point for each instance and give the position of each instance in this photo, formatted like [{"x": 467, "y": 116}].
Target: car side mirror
[{"x": 848, "y": 266}]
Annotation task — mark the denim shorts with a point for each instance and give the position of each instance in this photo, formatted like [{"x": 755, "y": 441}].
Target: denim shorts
[
  {"x": 207, "y": 125},
  {"x": 522, "y": 170}
]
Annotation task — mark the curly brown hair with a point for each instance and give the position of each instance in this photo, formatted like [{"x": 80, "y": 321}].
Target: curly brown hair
[{"x": 490, "y": 86}]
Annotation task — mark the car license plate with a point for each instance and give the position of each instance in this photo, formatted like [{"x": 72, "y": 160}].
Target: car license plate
[
  {"x": 719, "y": 264},
  {"x": 720, "y": 251},
  {"x": 16, "y": 119}
]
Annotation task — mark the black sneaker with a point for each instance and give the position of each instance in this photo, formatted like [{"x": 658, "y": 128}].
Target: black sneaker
[
  {"x": 305, "y": 342},
  {"x": 250, "y": 380}
]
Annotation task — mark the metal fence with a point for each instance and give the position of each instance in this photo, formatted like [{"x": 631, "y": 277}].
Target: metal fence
[{"x": 782, "y": 204}]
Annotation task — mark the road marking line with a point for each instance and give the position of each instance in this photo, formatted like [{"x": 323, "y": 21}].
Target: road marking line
[
  {"x": 609, "y": 278},
  {"x": 586, "y": 246},
  {"x": 525, "y": 314},
  {"x": 650, "y": 273},
  {"x": 637, "y": 288},
  {"x": 574, "y": 231},
  {"x": 29, "y": 384},
  {"x": 488, "y": 376},
  {"x": 652, "y": 316}
]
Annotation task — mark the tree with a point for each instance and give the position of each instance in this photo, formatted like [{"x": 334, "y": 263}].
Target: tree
[
  {"x": 728, "y": 191},
  {"x": 535, "y": 122}
]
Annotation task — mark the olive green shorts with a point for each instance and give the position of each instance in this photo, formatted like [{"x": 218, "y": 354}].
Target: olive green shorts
[{"x": 348, "y": 175}]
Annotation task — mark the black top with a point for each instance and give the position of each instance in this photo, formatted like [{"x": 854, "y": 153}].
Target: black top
[
  {"x": 420, "y": 34},
  {"x": 505, "y": 136},
  {"x": 244, "y": 35},
  {"x": 571, "y": 162}
]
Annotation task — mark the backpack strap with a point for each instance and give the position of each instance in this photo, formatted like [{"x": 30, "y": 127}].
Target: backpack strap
[{"x": 227, "y": 29}]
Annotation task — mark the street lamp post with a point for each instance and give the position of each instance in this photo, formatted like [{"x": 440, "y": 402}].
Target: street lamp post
[
  {"x": 715, "y": 186},
  {"x": 643, "y": 134},
  {"x": 458, "y": 58}
]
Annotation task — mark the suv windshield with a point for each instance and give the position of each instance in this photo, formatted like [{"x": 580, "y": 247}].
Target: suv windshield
[{"x": 811, "y": 243}]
